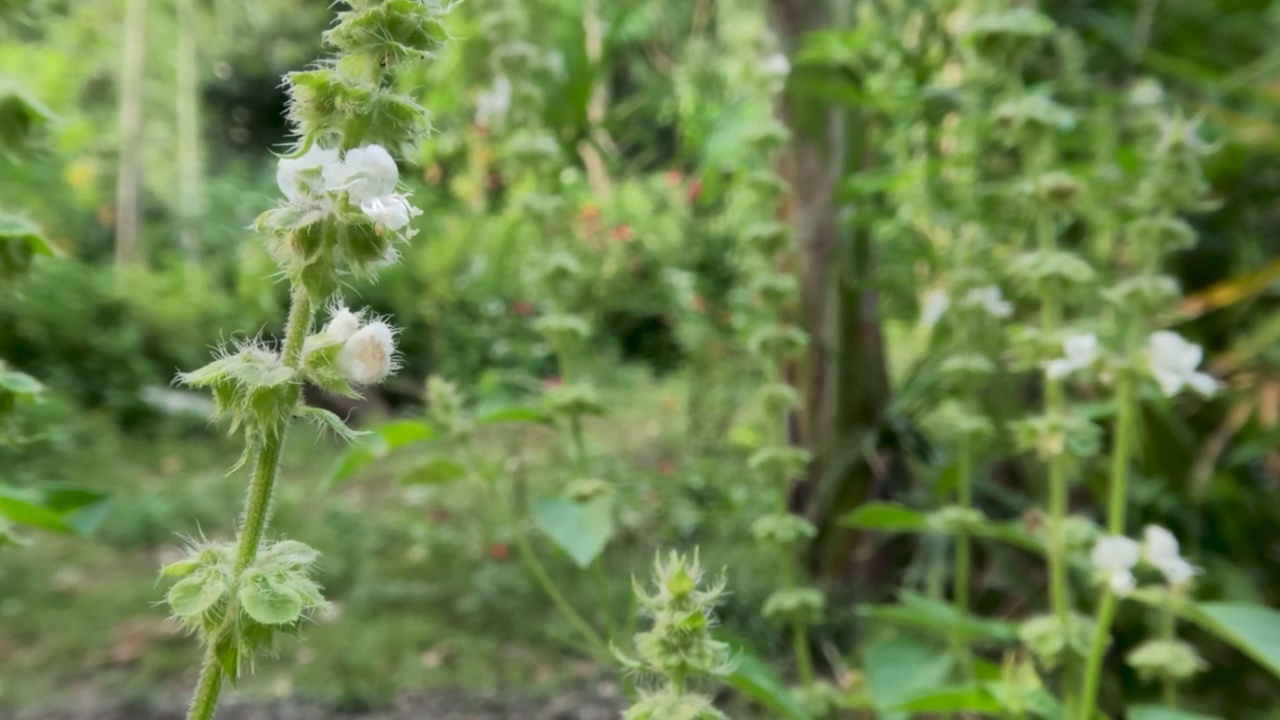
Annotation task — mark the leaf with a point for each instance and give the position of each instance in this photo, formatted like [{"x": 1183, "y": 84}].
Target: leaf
[
  {"x": 19, "y": 383},
  {"x": 941, "y": 618},
  {"x": 28, "y": 513},
  {"x": 436, "y": 471},
  {"x": 197, "y": 593},
  {"x": 581, "y": 529},
  {"x": 324, "y": 419},
  {"x": 885, "y": 516},
  {"x": 1156, "y": 712},
  {"x": 514, "y": 415},
  {"x": 898, "y": 669},
  {"x": 82, "y": 510},
  {"x": 968, "y": 698},
  {"x": 754, "y": 678},
  {"x": 398, "y": 433},
  {"x": 270, "y": 600},
  {"x": 1252, "y": 629},
  {"x": 376, "y": 444}
]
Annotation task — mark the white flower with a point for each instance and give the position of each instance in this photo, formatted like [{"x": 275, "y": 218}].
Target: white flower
[
  {"x": 933, "y": 306},
  {"x": 368, "y": 356},
  {"x": 290, "y": 171},
  {"x": 1160, "y": 550},
  {"x": 775, "y": 66},
  {"x": 342, "y": 323},
  {"x": 494, "y": 103},
  {"x": 1114, "y": 557},
  {"x": 1172, "y": 361},
  {"x": 1080, "y": 350},
  {"x": 365, "y": 173},
  {"x": 391, "y": 211},
  {"x": 990, "y": 299}
]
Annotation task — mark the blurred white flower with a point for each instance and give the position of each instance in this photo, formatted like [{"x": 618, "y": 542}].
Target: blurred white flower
[
  {"x": 933, "y": 306},
  {"x": 494, "y": 103},
  {"x": 342, "y": 323},
  {"x": 1114, "y": 557},
  {"x": 291, "y": 172},
  {"x": 1160, "y": 549},
  {"x": 1080, "y": 350},
  {"x": 1172, "y": 361},
  {"x": 990, "y": 299},
  {"x": 366, "y": 173},
  {"x": 775, "y": 66},
  {"x": 391, "y": 211},
  {"x": 369, "y": 354}
]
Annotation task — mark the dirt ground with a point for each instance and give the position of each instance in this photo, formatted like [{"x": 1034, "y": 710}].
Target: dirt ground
[{"x": 434, "y": 706}]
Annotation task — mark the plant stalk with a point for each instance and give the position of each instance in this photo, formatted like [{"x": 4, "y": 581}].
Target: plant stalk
[
  {"x": 960, "y": 592},
  {"x": 1097, "y": 649},
  {"x": 257, "y": 512}
]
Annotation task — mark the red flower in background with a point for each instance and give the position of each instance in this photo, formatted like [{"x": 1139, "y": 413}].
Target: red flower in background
[
  {"x": 693, "y": 192},
  {"x": 523, "y": 308},
  {"x": 551, "y": 383},
  {"x": 499, "y": 551},
  {"x": 622, "y": 233},
  {"x": 674, "y": 178}
]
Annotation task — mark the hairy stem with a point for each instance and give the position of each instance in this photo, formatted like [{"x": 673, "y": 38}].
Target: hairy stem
[{"x": 257, "y": 512}]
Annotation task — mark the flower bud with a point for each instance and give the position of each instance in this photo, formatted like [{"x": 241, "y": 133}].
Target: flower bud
[{"x": 369, "y": 355}]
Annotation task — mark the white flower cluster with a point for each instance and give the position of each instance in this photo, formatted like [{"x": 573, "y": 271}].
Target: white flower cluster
[
  {"x": 368, "y": 353},
  {"x": 368, "y": 175},
  {"x": 1114, "y": 557},
  {"x": 1169, "y": 358},
  {"x": 935, "y": 304}
]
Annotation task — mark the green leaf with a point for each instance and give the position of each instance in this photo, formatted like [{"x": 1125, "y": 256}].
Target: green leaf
[
  {"x": 19, "y": 383},
  {"x": 376, "y": 444},
  {"x": 435, "y": 471},
  {"x": 964, "y": 698},
  {"x": 581, "y": 529},
  {"x": 197, "y": 593},
  {"x": 898, "y": 669},
  {"x": 398, "y": 433},
  {"x": 514, "y": 415},
  {"x": 181, "y": 568},
  {"x": 941, "y": 618},
  {"x": 885, "y": 516},
  {"x": 1156, "y": 712},
  {"x": 31, "y": 514},
  {"x": 968, "y": 698},
  {"x": 82, "y": 510},
  {"x": 270, "y": 600},
  {"x": 754, "y": 678},
  {"x": 324, "y": 419},
  {"x": 1253, "y": 629}
]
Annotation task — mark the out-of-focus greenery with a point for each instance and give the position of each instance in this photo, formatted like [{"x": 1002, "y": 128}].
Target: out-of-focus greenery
[{"x": 106, "y": 341}]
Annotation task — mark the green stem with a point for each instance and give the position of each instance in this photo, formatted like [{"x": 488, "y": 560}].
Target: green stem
[
  {"x": 1169, "y": 688},
  {"x": 598, "y": 646},
  {"x": 800, "y": 643},
  {"x": 1055, "y": 402},
  {"x": 1125, "y": 415},
  {"x": 205, "y": 700},
  {"x": 1097, "y": 649},
  {"x": 257, "y": 512},
  {"x": 960, "y": 592}
]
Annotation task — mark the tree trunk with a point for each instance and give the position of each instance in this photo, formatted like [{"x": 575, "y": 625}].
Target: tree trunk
[
  {"x": 187, "y": 99},
  {"x": 845, "y": 381},
  {"x": 129, "y": 180}
]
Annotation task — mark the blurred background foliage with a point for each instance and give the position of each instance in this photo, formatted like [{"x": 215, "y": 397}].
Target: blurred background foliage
[{"x": 626, "y": 119}]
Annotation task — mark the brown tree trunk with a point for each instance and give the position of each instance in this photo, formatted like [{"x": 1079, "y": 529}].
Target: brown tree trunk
[{"x": 845, "y": 380}]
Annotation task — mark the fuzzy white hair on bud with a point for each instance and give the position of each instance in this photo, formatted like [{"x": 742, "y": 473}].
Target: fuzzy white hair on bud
[
  {"x": 368, "y": 356},
  {"x": 342, "y": 323}
]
